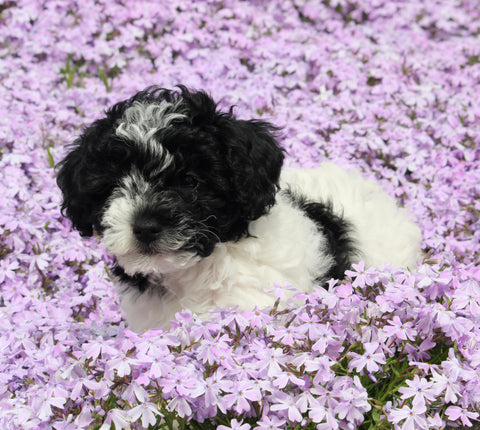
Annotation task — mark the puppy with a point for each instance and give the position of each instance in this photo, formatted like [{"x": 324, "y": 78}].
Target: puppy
[{"x": 192, "y": 203}]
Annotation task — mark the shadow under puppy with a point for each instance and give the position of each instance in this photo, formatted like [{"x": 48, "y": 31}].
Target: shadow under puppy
[{"x": 193, "y": 205}]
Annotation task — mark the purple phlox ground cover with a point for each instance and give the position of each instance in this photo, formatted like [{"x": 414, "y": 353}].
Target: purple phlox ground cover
[{"x": 388, "y": 87}]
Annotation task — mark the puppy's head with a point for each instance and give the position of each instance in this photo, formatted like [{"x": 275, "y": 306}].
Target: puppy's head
[{"x": 165, "y": 175}]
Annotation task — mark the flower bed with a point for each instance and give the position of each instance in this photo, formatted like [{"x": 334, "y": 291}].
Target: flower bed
[{"x": 389, "y": 87}]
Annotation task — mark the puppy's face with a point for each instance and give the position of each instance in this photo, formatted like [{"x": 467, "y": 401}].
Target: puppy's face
[{"x": 165, "y": 176}]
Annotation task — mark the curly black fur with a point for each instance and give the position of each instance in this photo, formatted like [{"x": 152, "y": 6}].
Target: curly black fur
[
  {"x": 336, "y": 229},
  {"x": 224, "y": 172},
  {"x": 137, "y": 281}
]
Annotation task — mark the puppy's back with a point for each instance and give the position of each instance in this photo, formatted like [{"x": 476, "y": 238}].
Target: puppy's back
[{"x": 384, "y": 232}]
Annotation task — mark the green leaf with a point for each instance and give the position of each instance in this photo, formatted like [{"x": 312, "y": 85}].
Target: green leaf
[
  {"x": 104, "y": 79},
  {"x": 51, "y": 162}
]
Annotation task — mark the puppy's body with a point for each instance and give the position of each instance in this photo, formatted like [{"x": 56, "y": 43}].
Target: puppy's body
[
  {"x": 236, "y": 273},
  {"x": 286, "y": 246},
  {"x": 382, "y": 232},
  {"x": 190, "y": 202}
]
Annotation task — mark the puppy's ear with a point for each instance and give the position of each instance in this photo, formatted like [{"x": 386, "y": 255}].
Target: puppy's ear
[
  {"x": 85, "y": 176},
  {"x": 255, "y": 160}
]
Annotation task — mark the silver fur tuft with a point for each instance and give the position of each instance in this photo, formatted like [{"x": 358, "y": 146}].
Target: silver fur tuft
[{"x": 141, "y": 121}]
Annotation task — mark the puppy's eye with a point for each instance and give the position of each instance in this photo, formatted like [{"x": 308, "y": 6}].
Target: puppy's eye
[{"x": 189, "y": 181}]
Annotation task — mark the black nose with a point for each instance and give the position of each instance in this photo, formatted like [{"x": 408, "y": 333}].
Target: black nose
[{"x": 146, "y": 229}]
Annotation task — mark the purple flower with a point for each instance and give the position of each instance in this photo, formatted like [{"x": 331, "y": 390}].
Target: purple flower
[
  {"x": 287, "y": 404},
  {"x": 270, "y": 423},
  {"x": 211, "y": 387},
  {"x": 309, "y": 324},
  {"x": 44, "y": 406},
  {"x": 446, "y": 386},
  {"x": 235, "y": 425},
  {"x": 418, "y": 352},
  {"x": 242, "y": 393},
  {"x": 436, "y": 422},
  {"x": 120, "y": 365},
  {"x": 183, "y": 381},
  {"x": 147, "y": 412},
  {"x": 7, "y": 270},
  {"x": 418, "y": 388},
  {"x": 362, "y": 277},
  {"x": 457, "y": 412},
  {"x": 319, "y": 413},
  {"x": 354, "y": 402},
  {"x": 346, "y": 292},
  {"x": 181, "y": 405},
  {"x": 286, "y": 335},
  {"x": 279, "y": 290},
  {"x": 413, "y": 418},
  {"x": 272, "y": 360},
  {"x": 371, "y": 358},
  {"x": 99, "y": 347},
  {"x": 134, "y": 393},
  {"x": 399, "y": 329},
  {"x": 287, "y": 378},
  {"x": 468, "y": 298},
  {"x": 257, "y": 318},
  {"x": 322, "y": 366},
  {"x": 118, "y": 418},
  {"x": 210, "y": 351},
  {"x": 326, "y": 338}
]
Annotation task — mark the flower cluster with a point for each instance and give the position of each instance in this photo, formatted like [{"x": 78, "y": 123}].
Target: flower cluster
[
  {"x": 377, "y": 353},
  {"x": 386, "y": 86}
]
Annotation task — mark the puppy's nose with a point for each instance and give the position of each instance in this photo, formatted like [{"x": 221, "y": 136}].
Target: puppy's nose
[{"x": 146, "y": 230}]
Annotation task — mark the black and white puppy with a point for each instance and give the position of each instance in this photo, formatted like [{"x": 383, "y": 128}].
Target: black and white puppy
[{"x": 193, "y": 205}]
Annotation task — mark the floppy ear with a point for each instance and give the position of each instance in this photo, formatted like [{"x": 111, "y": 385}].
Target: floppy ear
[
  {"x": 85, "y": 176},
  {"x": 255, "y": 160}
]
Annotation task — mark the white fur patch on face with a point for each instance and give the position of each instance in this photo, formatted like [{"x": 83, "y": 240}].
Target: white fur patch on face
[
  {"x": 141, "y": 121},
  {"x": 118, "y": 219},
  {"x": 157, "y": 264},
  {"x": 130, "y": 197}
]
